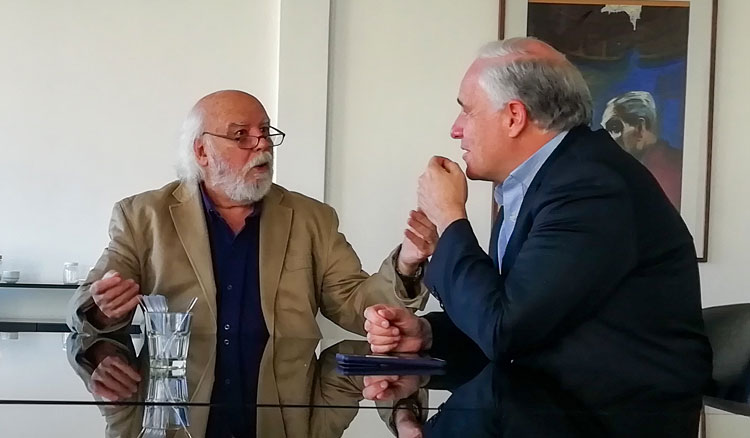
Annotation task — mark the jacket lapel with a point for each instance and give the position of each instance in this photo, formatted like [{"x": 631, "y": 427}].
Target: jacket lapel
[
  {"x": 275, "y": 226},
  {"x": 525, "y": 221},
  {"x": 190, "y": 223}
]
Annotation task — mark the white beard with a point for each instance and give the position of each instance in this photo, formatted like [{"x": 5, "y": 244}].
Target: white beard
[{"x": 236, "y": 186}]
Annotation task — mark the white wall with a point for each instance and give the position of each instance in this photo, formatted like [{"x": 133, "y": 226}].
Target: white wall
[
  {"x": 93, "y": 94},
  {"x": 395, "y": 68},
  {"x": 394, "y": 75},
  {"x": 724, "y": 277},
  {"x": 72, "y": 143},
  {"x": 303, "y": 95}
]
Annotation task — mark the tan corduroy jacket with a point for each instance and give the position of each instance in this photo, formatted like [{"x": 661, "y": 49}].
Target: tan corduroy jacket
[{"x": 160, "y": 239}]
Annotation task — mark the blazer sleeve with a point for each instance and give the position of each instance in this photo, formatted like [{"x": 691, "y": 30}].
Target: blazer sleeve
[
  {"x": 580, "y": 246},
  {"x": 119, "y": 255},
  {"x": 347, "y": 290}
]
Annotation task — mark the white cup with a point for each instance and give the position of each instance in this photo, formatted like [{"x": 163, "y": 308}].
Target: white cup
[{"x": 11, "y": 276}]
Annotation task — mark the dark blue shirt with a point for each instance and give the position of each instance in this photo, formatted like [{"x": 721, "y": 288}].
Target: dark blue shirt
[
  {"x": 237, "y": 273},
  {"x": 241, "y": 328}
]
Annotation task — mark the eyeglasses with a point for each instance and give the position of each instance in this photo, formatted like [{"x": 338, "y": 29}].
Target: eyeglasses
[{"x": 247, "y": 141}]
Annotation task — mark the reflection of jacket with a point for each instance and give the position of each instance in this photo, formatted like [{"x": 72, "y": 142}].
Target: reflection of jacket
[
  {"x": 506, "y": 402},
  {"x": 296, "y": 391},
  {"x": 160, "y": 240},
  {"x": 292, "y": 376},
  {"x": 320, "y": 402}
]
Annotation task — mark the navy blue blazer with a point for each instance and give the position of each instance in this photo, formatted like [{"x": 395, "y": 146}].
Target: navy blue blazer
[{"x": 600, "y": 274}]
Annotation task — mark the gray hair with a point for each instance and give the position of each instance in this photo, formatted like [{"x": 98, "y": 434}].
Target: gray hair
[
  {"x": 192, "y": 127},
  {"x": 632, "y": 107},
  {"x": 553, "y": 90}
]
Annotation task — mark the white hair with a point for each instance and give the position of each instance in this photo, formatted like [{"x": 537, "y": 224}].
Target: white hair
[
  {"x": 192, "y": 127},
  {"x": 553, "y": 90}
]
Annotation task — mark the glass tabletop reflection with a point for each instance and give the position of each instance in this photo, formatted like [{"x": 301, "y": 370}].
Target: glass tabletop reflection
[{"x": 71, "y": 385}]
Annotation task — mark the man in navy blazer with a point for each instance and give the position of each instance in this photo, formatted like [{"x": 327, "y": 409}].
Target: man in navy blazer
[{"x": 591, "y": 271}]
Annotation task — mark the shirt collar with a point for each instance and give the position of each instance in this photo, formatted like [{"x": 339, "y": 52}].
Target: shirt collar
[
  {"x": 524, "y": 174},
  {"x": 210, "y": 207}
]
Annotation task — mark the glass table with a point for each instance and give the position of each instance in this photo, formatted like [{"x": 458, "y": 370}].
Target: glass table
[{"x": 66, "y": 385}]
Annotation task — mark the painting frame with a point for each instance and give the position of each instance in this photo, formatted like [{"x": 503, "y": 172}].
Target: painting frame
[{"x": 699, "y": 99}]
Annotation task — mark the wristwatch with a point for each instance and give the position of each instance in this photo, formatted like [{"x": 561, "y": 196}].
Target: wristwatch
[
  {"x": 415, "y": 276},
  {"x": 409, "y": 404}
]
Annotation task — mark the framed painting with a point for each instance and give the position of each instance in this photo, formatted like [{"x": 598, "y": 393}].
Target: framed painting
[{"x": 650, "y": 68}]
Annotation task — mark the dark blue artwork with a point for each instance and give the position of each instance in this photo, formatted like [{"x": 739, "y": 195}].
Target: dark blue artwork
[
  {"x": 634, "y": 59},
  {"x": 665, "y": 81}
]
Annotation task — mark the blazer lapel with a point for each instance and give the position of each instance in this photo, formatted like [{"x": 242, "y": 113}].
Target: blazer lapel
[
  {"x": 525, "y": 221},
  {"x": 275, "y": 226},
  {"x": 190, "y": 223}
]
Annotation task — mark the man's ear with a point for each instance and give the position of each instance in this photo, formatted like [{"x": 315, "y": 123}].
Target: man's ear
[
  {"x": 517, "y": 118},
  {"x": 199, "y": 149}
]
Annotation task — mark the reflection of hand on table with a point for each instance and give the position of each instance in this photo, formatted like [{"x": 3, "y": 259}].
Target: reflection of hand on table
[
  {"x": 405, "y": 414},
  {"x": 383, "y": 388},
  {"x": 114, "y": 378}
]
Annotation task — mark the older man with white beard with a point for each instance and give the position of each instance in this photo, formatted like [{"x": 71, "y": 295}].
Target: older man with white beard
[{"x": 262, "y": 260}]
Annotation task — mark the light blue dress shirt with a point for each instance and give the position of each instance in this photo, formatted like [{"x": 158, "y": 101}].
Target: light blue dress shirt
[{"x": 511, "y": 192}]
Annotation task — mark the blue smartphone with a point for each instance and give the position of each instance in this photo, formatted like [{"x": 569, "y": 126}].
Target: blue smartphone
[{"x": 389, "y": 362}]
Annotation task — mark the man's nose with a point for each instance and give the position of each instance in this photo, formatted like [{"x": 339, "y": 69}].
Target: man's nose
[
  {"x": 457, "y": 130},
  {"x": 264, "y": 144}
]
